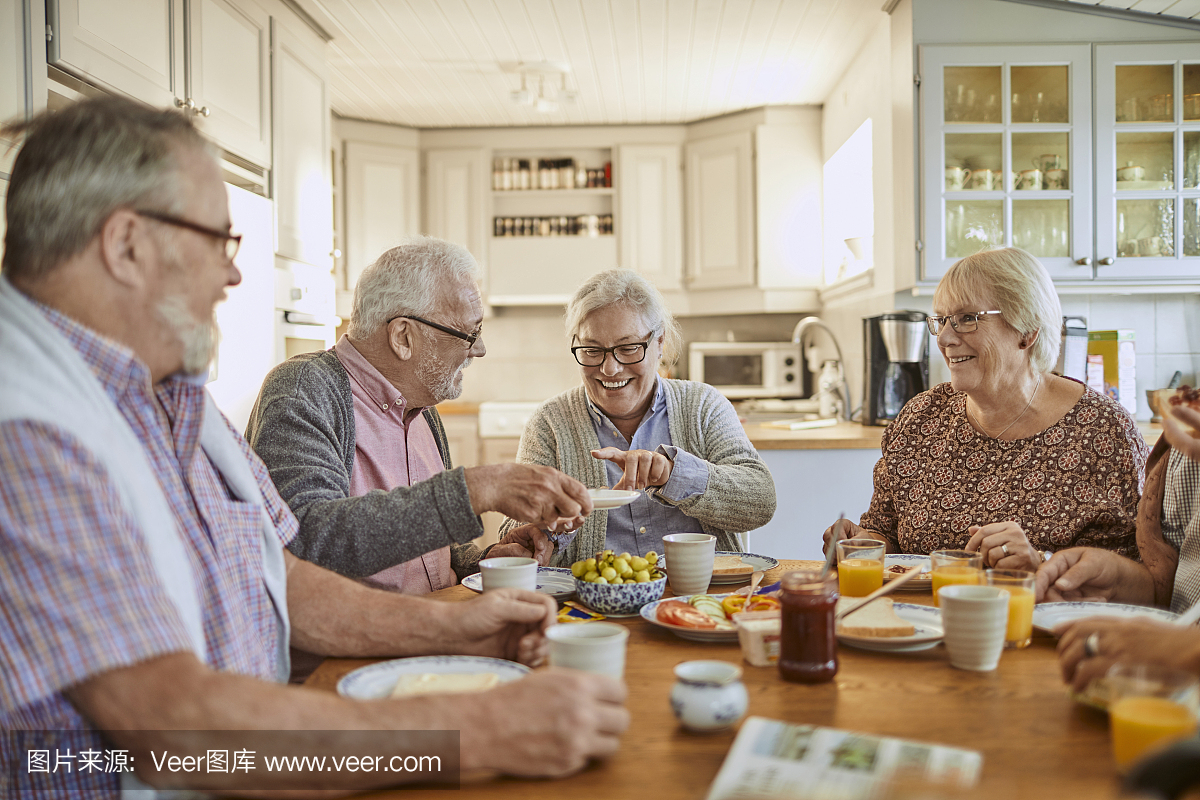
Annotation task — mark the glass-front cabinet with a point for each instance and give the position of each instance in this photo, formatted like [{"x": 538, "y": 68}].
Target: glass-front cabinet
[
  {"x": 1006, "y": 139},
  {"x": 1015, "y": 153},
  {"x": 1148, "y": 161}
]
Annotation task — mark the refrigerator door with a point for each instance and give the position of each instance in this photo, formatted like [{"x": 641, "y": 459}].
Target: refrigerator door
[{"x": 247, "y": 317}]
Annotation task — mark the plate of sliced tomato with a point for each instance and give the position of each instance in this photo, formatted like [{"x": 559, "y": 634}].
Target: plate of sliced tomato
[{"x": 678, "y": 615}]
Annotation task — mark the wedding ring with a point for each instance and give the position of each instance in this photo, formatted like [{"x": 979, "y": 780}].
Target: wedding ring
[
  {"x": 1004, "y": 549},
  {"x": 1091, "y": 645}
]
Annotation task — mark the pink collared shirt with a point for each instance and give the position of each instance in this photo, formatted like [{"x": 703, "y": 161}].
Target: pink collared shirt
[{"x": 390, "y": 452}]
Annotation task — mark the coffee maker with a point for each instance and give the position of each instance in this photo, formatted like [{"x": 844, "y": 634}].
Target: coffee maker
[{"x": 896, "y": 363}]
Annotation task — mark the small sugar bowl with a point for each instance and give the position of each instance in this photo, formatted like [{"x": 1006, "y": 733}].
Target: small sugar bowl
[{"x": 708, "y": 695}]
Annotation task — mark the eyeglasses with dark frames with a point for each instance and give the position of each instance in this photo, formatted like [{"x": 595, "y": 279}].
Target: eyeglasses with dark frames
[
  {"x": 626, "y": 354},
  {"x": 469, "y": 338},
  {"x": 965, "y": 322},
  {"x": 231, "y": 242}
]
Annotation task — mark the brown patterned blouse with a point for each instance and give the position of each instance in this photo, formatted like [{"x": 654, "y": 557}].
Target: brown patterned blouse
[{"x": 1076, "y": 483}]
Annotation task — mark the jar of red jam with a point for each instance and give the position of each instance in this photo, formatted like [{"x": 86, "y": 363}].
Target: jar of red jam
[{"x": 807, "y": 645}]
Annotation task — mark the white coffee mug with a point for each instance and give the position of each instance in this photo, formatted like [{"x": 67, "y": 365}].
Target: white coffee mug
[
  {"x": 955, "y": 177},
  {"x": 689, "y": 561},
  {"x": 1031, "y": 180},
  {"x": 506, "y": 571},
  {"x": 975, "y": 619},
  {"x": 597, "y": 647},
  {"x": 981, "y": 179},
  {"x": 1056, "y": 179}
]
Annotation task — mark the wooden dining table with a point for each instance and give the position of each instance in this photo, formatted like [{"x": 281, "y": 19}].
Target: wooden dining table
[{"x": 1035, "y": 741}]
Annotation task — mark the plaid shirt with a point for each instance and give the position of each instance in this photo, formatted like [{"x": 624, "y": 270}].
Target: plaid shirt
[
  {"x": 78, "y": 593},
  {"x": 1181, "y": 527}
]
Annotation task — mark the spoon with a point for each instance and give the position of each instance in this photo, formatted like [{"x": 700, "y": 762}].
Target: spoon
[
  {"x": 755, "y": 580},
  {"x": 887, "y": 588}
]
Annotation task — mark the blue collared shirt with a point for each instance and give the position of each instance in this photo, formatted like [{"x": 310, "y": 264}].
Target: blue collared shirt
[{"x": 639, "y": 526}]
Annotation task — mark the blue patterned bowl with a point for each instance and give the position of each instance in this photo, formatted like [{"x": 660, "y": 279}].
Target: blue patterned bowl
[{"x": 624, "y": 599}]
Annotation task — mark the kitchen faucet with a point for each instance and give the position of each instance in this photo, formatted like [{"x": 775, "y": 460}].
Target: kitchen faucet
[{"x": 798, "y": 335}]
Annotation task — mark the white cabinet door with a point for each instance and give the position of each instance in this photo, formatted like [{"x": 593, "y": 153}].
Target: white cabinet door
[
  {"x": 302, "y": 190},
  {"x": 1006, "y": 154},
  {"x": 1148, "y": 161},
  {"x": 649, "y": 207},
  {"x": 383, "y": 188},
  {"x": 720, "y": 211},
  {"x": 456, "y": 185},
  {"x": 229, "y": 75},
  {"x": 132, "y": 46}
]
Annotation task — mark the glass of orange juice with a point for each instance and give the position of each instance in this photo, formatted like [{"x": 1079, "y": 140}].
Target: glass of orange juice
[
  {"x": 954, "y": 566},
  {"x": 1019, "y": 583},
  {"x": 1149, "y": 707},
  {"x": 860, "y": 566}
]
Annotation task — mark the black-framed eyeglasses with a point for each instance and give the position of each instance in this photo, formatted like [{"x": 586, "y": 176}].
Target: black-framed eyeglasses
[
  {"x": 469, "y": 338},
  {"x": 588, "y": 356},
  {"x": 231, "y": 242},
  {"x": 965, "y": 322}
]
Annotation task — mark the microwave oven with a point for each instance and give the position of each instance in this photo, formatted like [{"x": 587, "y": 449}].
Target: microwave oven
[{"x": 741, "y": 370}]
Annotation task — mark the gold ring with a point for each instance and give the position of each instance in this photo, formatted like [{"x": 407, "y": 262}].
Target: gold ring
[
  {"x": 1004, "y": 549},
  {"x": 1091, "y": 645}
]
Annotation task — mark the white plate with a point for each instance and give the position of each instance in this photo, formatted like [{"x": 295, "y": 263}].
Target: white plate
[
  {"x": 918, "y": 584},
  {"x": 753, "y": 559},
  {"x": 604, "y": 499},
  {"x": 557, "y": 582},
  {"x": 376, "y": 681},
  {"x": 1048, "y": 616},
  {"x": 926, "y": 619},
  {"x": 650, "y": 610}
]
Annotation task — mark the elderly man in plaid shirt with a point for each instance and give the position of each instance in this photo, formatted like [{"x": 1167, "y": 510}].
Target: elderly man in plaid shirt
[{"x": 145, "y": 590}]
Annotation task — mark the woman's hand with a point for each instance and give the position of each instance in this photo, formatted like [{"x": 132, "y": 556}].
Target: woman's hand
[
  {"x": 1129, "y": 641},
  {"x": 1004, "y": 546},
  {"x": 642, "y": 467},
  {"x": 845, "y": 529}
]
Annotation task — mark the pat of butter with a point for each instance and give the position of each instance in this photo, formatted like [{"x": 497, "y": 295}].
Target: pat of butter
[{"x": 758, "y": 634}]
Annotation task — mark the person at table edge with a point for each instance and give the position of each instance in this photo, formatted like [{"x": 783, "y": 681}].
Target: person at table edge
[
  {"x": 145, "y": 590},
  {"x": 629, "y": 428},
  {"x": 355, "y": 446},
  {"x": 1007, "y": 458}
]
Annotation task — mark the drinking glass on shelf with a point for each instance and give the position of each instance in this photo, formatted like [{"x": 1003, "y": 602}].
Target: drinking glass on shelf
[
  {"x": 860, "y": 566},
  {"x": 1149, "y": 707},
  {"x": 952, "y": 567}
]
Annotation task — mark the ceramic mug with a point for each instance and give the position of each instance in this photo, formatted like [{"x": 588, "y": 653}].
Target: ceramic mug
[
  {"x": 1150, "y": 246},
  {"x": 980, "y": 179},
  {"x": 955, "y": 178},
  {"x": 1129, "y": 172},
  {"x": 1056, "y": 179},
  {"x": 708, "y": 695},
  {"x": 508, "y": 571},
  {"x": 597, "y": 647},
  {"x": 1030, "y": 180},
  {"x": 689, "y": 561},
  {"x": 1046, "y": 162}
]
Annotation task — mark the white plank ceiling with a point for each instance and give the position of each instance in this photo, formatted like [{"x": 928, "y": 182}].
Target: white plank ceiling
[{"x": 447, "y": 63}]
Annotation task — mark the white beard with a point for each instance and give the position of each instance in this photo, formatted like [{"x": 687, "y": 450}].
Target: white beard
[
  {"x": 199, "y": 338},
  {"x": 441, "y": 380}
]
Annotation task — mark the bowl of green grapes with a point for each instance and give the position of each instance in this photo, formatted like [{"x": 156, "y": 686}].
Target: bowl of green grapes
[{"x": 618, "y": 584}]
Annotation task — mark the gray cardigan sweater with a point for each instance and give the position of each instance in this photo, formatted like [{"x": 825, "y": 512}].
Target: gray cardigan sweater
[
  {"x": 302, "y": 427},
  {"x": 740, "y": 493}
]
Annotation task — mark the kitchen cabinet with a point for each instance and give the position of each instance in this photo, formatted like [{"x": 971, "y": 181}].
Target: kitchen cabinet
[
  {"x": 720, "y": 211},
  {"x": 1015, "y": 154},
  {"x": 301, "y": 180},
  {"x": 209, "y": 56},
  {"x": 649, "y": 208},
  {"x": 575, "y": 258},
  {"x": 382, "y": 190},
  {"x": 456, "y": 181}
]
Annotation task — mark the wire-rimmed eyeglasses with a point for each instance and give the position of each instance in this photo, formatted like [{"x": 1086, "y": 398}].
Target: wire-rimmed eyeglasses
[
  {"x": 469, "y": 338},
  {"x": 965, "y": 322},
  {"x": 231, "y": 242},
  {"x": 627, "y": 354}
]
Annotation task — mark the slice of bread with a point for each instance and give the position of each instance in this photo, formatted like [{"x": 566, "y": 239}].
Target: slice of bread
[
  {"x": 444, "y": 683},
  {"x": 730, "y": 565},
  {"x": 878, "y": 620}
]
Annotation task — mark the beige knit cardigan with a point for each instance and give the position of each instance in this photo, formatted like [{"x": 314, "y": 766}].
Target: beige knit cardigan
[{"x": 740, "y": 494}]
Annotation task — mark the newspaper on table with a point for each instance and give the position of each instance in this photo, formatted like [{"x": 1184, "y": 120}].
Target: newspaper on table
[{"x": 775, "y": 759}]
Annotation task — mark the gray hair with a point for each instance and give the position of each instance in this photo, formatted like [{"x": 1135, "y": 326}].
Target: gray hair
[
  {"x": 627, "y": 287},
  {"x": 405, "y": 280},
  {"x": 1015, "y": 283},
  {"x": 80, "y": 164}
]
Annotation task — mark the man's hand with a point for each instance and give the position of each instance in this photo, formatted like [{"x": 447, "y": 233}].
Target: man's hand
[
  {"x": 1139, "y": 641},
  {"x": 578, "y": 716},
  {"x": 992, "y": 541},
  {"x": 529, "y": 493},
  {"x": 526, "y": 541},
  {"x": 642, "y": 467},
  {"x": 845, "y": 529},
  {"x": 1176, "y": 420},
  {"x": 1089, "y": 573},
  {"x": 502, "y": 623}
]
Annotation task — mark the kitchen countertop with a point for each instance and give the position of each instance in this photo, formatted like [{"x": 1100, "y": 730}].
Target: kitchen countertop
[{"x": 852, "y": 436}]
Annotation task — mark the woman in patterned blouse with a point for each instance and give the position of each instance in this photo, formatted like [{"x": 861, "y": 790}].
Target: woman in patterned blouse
[{"x": 1007, "y": 458}]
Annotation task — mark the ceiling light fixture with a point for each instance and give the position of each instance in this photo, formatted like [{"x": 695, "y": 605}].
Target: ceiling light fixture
[{"x": 547, "y": 98}]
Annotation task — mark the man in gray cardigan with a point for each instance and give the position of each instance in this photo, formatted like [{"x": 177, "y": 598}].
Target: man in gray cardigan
[{"x": 356, "y": 449}]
